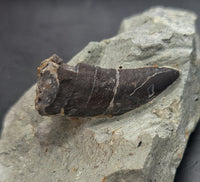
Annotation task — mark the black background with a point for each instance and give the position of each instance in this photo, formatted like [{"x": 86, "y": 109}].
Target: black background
[{"x": 31, "y": 31}]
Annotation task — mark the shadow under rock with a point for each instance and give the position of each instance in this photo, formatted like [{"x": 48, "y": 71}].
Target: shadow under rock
[
  {"x": 58, "y": 130},
  {"x": 189, "y": 168}
]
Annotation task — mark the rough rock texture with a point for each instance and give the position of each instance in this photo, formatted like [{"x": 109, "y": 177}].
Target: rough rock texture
[{"x": 145, "y": 144}]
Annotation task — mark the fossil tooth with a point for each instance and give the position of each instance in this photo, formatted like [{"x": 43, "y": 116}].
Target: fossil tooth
[{"x": 86, "y": 90}]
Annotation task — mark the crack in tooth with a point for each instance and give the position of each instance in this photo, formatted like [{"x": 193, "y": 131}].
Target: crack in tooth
[
  {"x": 148, "y": 78},
  {"x": 94, "y": 81},
  {"x": 110, "y": 106}
]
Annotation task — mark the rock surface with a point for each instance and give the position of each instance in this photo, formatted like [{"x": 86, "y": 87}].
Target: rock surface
[{"x": 146, "y": 144}]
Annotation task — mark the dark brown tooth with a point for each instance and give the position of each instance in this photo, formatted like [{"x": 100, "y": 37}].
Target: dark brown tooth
[{"x": 86, "y": 90}]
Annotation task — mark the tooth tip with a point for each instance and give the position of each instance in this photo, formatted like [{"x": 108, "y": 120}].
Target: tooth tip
[
  {"x": 173, "y": 71},
  {"x": 176, "y": 73}
]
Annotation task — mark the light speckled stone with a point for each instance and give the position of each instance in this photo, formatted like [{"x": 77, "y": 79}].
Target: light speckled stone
[{"x": 146, "y": 144}]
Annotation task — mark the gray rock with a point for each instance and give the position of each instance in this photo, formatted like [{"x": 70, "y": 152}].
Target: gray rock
[{"x": 146, "y": 144}]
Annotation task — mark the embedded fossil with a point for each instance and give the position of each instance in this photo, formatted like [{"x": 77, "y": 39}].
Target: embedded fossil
[{"x": 87, "y": 90}]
